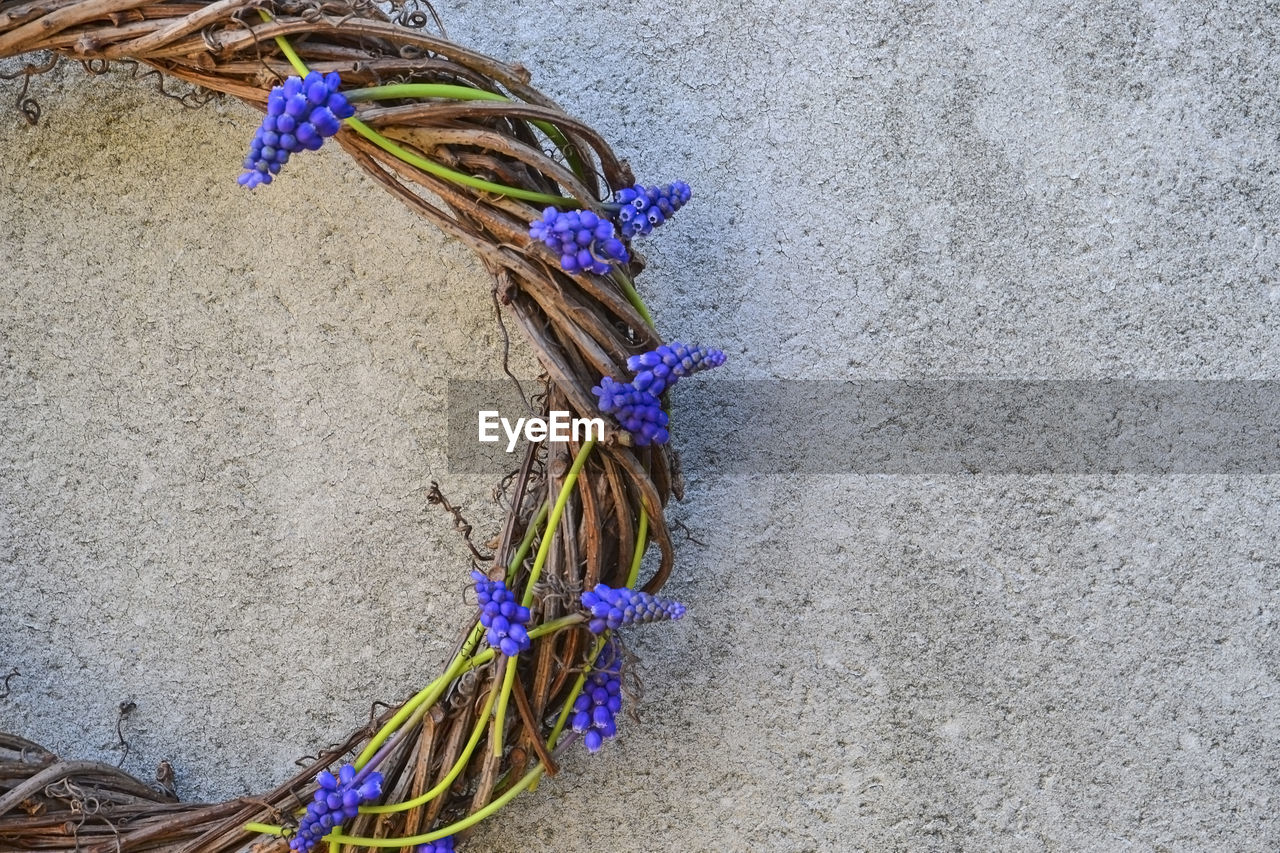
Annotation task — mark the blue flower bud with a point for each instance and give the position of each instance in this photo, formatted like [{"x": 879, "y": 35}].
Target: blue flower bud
[
  {"x": 317, "y": 91},
  {"x": 623, "y": 606},
  {"x": 337, "y": 799},
  {"x": 301, "y": 114},
  {"x": 584, "y": 241},
  {"x": 641, "y": 208},
  {"x": 596, "y": 707},
  {"x": 635, "y": 404},
  {"x": 503, "y": 616}
]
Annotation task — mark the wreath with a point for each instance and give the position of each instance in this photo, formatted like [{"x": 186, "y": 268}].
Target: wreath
[{"x": 552, "y": 213}]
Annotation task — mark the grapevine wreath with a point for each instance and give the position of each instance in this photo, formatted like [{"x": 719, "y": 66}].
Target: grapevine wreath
[{"x": 552, "y": 213}]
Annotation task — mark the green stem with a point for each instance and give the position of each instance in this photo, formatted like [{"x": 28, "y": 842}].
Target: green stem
[
  {"x": 500, "y": 717},
  {"x": 466, "y": 93},
  {"x": 563, "y": 719},
  {"x": 534, "y": 633},
  {"x": 458, "y": 766},
  {"x": 263, "y": 828},
  {"x": 527, "y": 542},
  {"x": 573, "y": 694},
  {"x": 633, "y": 296},
  {"x": 433, "y": 168},
  {"x": 395, "y": 91},
  {"x": 287, "y": 49},
  {"x": 426, "y": 696},
  {"x": 634, "y": 574},
  {"x": 453, "y": 828},
  {"x": 555, "y": 625},
  {"x": 557, "y": 511},
  {"x": 481, "y": 659},
  {"x": 469, "y": 646},
  {"x": 420, "y": 702}
]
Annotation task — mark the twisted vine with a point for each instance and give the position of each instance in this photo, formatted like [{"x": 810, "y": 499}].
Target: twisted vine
[{"x": 466, "y": 142}]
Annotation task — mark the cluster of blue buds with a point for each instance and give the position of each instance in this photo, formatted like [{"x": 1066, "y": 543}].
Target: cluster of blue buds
[
  {"x": 639, "y": 411},
  {"x": 596, "y": 708},
  {"x": 584, "y": 241},
  {"x": 635, "y": 404},
  {"x": 587, "y": 242},
  {"x": 612, "y": 608},
  {"x": 337, "y": 800},
  {"x": 645, "y": 208},
  {"x": 440, "y": 845},
  {"x": 301, "y": 114},
  {"x": 659, "y": 369},
  {"x": 502, "y": 615}
]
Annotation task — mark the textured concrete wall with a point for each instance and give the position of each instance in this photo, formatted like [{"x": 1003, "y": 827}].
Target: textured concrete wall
[{"x": 221, "y": 413}]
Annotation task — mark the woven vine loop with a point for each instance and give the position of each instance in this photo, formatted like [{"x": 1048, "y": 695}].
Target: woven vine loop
[{"x": 578, "y": 515}]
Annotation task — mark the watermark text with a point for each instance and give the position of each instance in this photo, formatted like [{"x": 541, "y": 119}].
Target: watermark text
[{"x": 558, "y": 426}]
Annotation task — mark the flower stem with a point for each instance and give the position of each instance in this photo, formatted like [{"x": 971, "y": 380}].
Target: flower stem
[
  {"x": 392, "y": 742},
  {"x": 286, "y": 48},
  {"x": 427, "y": 696},
  {"x": 263, "y": 829},
  {"x": 629, "y": 290},
  {"x": 500, "y": 716},
  {"x": 574, "y": 693},
  {"x": 527, "y": 542},
  {"x": 433, "y": 168},
  {"x": 557, "y": 511},
  {"x": 467, "y": 93},
  {"x": 534, "y": 633},
  {"x": 563, "y": 719},
  {"x": 394, "y": 91},
  {"x": 466, "y": 823},
  {"x": 643, "y": 532},
  {"x": 470, "y": 645},
  {"x": 458, "y": 766}
]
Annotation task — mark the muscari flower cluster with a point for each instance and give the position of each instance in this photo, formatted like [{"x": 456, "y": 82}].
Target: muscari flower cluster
[
  {"x": 596, "y": 708},
  {"x": 645, "y": 208},
  {"x": 440, "y": 845},
  {"x": 639, "y": 412},
  {"x": 586, "y": 242},
  {"x": 502, "y": 615},
  {"x": 612, "y": 608},
  {"x": 336, "y": 800},
  {"x": 659, "y": 369},
  {"x": 301, "y": 114},
  {"x": 635, "y": 404}
]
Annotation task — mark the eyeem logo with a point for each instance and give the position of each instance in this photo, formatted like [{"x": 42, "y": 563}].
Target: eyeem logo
[{"x": 558, "y": 427}]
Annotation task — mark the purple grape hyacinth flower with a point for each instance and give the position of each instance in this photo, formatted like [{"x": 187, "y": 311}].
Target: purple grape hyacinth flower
[
  {"x": 639, "y": 411},
  {"x": 584, "y": 241},
  {"x": 596, "y": 708},
  {"x": 440, "y": 845},
  {"x": 661, "y": 368},
  {"x": 642, "y": 209},
  {"x": 612, "y": 608},
  {"x": 302, "y": 113},
  {"x": 336, "y": 800},
  {"x": 635, "y": 404},
  {"x": 503, "y": 616}
]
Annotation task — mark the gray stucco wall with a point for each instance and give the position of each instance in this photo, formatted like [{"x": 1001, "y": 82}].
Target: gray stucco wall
[{"x": 221, "y": 413}]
